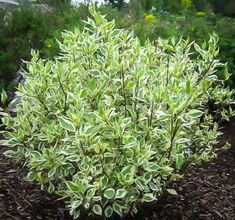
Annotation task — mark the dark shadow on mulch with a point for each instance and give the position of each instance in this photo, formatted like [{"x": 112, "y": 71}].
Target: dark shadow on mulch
[{"x": 206, "y": 192}]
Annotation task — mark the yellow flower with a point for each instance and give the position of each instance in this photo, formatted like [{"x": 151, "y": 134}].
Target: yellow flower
[
  {"x": 150, "y": 18},
  {"x": 201, "y": 13},
  {"x": 49, "y": 45}
]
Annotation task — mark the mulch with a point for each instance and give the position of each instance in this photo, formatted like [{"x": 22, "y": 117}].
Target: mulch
[{"x": 206, "y": 192}]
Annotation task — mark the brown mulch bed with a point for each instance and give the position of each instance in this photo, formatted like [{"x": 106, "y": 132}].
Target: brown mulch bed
[{"x": 206, "y": 192}]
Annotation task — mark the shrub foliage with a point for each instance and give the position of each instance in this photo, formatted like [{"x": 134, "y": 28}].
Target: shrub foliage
[{"x": 108, "y": 123}]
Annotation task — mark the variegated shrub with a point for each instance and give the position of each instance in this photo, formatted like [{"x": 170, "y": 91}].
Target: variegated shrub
[{"x": 108, "y": 123}]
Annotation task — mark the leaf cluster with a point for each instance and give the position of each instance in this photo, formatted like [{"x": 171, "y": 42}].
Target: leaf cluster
[{"x": 108, "y": 123}]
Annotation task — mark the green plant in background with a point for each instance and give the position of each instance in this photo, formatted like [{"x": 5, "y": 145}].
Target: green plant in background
[
  {"x": 21, "y": 30},
  {"x": 27, "y": 28},
  {"x": 198, "y": 27},
  {"x": 226, "y": 30},
  {"x": 150, "y": 18},
  {"x": 108, "y": 123},
  {"x": 201, "y": 13},
  {"x": 186, "y": 4},
  {"x": 226, "y": 7}
]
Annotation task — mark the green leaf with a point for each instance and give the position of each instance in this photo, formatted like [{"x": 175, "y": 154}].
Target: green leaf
[
  {"x": 153, "y": 186},
  {"x": 149, "y": 197},
  {"x": 147, "y": 177},
  {"x": 195, "y": 113},
  {"x": 66, "y": 124},
  {"x": 75, "y": 186},
  {"x": 172, "y": 192},
  {"x": 91, "y": 192},
  {"x": 108, "y": 155},
  {"x": 179, "y": 160},
  {"x": 109, "y": 193},
  {"x": 166, "y": 170},
  {"x": 14, "y": 142},
  {"x": 97, "y": 198},
  {"x": 51, "y": 188},
  {"x": 140, "y": 183},
  {"x": 52, "y": 172},
  {"x": 199, "y": 50},
  {"x": 152, "y": 167},
  {"x": 108, "y": 211},
  {"x": 128, "y": 174},
  {"x": 31, "y": 176},
  {"x": 76, "y": 214},
  {"x": 134, "y": 195},
  {"x": 117, "y": 208},
  {"x": 35, "y": 154},
  {"x": 130, "y": 85},
  {"x": 188, "y": 87},
  {"x": 128, "y": 178},
  {"x": 130, "y": 169},
  {"x": 72, "y": 186},
  {"x": 3, "y": 96},
  {"x": 84, "y": 93},
  {"x": 120, "y": 193},
  {"x": 10, "y": 143},
  {"x": 10, "y": 153},
  {"x": 104, "y": 181},
  {"x": 90, "y": 130},
  {"x": 76, "y": 203},
  {"x": 97, "y": 209}
]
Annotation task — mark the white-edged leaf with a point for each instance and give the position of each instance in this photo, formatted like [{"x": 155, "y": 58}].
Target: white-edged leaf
[
  {"x": 66, "y": 124},
  {"x": 149, "y": 197},
  {"x": 104, "y": 181},
  {"x": 10, "y": 153},
  {"x": 10, "y": 143},
  {"x": 109, "y": 193},
  {"x": 172, "y": 192},
  {"x": 97, "y": 209},
  {"x": 140, "y": 183},
  {"x": 3, "y": 96},
  {"x": 51, "y": 172},
  {"x": 91, "y": 192},
  {"x": 117, "y": 208},
  {"x": 179, "y": 161},
  {"x": 195, "y": 113},
  {"x": 108, "y": 211},
  {"x": 51, "y": 188},
  {"x": 120, "y": 193},
  {"x": 31, "y": 176}
]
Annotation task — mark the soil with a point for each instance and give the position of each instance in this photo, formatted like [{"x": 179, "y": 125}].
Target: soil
[{"x": 206, "y": 192}]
